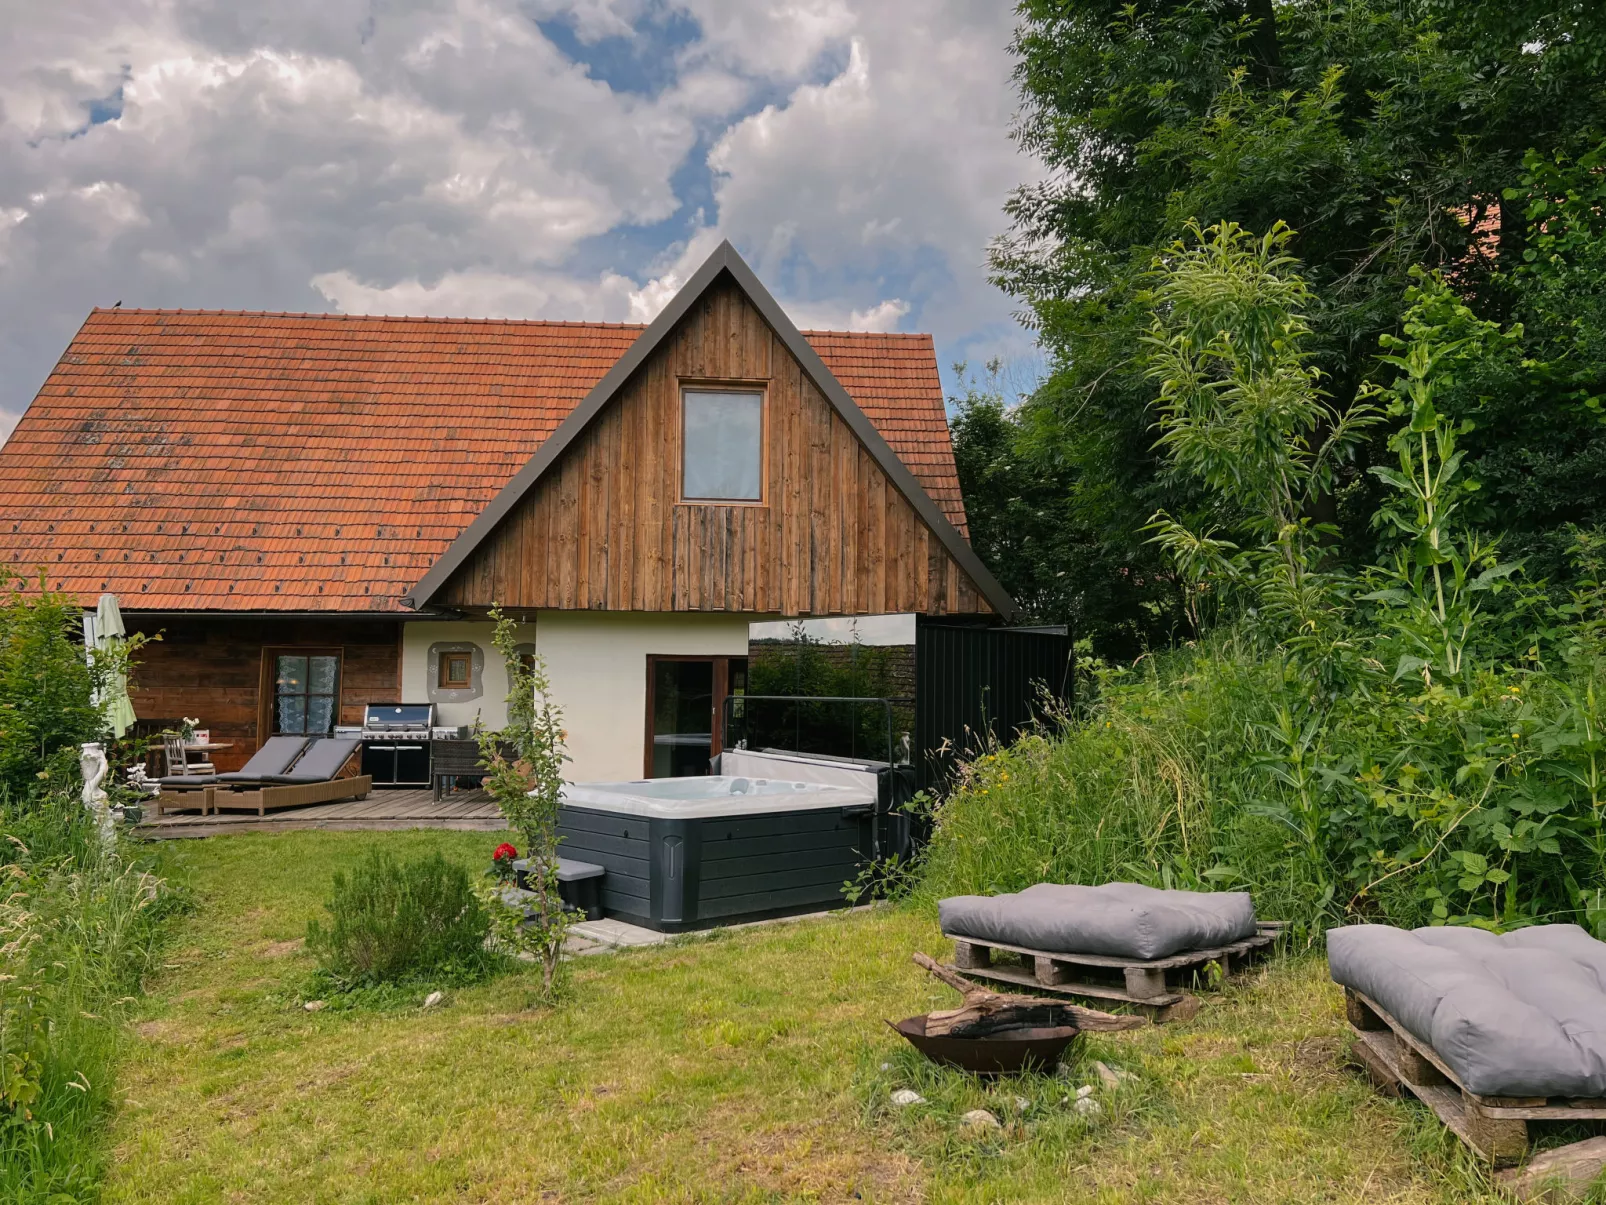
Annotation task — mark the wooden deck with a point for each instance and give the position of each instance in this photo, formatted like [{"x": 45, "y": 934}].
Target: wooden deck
[{"x": 382, "y": 810}]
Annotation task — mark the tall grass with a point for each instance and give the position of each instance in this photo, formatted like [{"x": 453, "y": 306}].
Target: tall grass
[
  {"x": 79, "y": 928},
  {"x": 1151, "y": 785},
  {"x": 1223, "y": 766}
]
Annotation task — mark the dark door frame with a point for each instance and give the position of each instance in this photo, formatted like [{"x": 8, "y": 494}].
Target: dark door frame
[{"x": 722, "y": 667}]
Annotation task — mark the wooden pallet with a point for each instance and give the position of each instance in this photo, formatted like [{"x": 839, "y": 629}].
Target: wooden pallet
[
  {"x": 1151, "y": 987},
  {"x": 1494, "y": 1127}
]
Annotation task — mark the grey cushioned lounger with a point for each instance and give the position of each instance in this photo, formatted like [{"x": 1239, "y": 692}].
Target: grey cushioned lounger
[
  {"x": 1512, "y": 1014},
  {"x": 276, "y": 756},
  {"x": 1118, "y": 920},
  {"x": 320, "y": 763},
  {"x": 186, "y": 780}
]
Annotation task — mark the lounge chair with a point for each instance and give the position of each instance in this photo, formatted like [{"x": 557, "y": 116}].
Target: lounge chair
[
  {"x": 310, "y": 779},
  {"x": 277, "y": 755},
  {"x": 1490, "y": 1031}
]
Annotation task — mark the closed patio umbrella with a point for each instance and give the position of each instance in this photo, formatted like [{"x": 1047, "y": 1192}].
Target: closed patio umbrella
[{"x": 109, "y": 627}]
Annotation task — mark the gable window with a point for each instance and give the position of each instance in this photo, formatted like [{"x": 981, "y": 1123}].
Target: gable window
[
  {"x": 305, "y": 686},
  {"x": 722, "y": 446},
  {"x": 456, "y": 672}
]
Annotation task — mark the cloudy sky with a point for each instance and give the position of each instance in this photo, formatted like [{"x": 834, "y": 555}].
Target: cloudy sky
[{"x": 543, "y": 159}]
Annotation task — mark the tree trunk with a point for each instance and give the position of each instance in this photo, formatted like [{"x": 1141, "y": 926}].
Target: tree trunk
[{"x": 1263, "y": 42}]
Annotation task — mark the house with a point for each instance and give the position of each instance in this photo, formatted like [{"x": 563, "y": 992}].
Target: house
[{"x": 316, "y": 512}]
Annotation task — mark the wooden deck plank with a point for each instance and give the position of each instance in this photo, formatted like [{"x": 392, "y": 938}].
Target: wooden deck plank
[{"x": 382, "y": 811}]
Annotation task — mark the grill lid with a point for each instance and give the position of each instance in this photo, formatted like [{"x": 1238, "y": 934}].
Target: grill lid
[{"x": 384, "y": 717}]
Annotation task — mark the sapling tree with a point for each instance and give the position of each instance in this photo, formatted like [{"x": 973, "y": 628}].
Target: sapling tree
[
  {"x": 524, "y": 773},
  {"x": 1242, "y": 412}
]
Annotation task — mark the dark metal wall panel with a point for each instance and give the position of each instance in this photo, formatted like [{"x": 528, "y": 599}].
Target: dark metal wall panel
[
  {"x": 973, "y": 684},
  {"x": 686, "y": 874},
  {"x": 619, "y": 845}
]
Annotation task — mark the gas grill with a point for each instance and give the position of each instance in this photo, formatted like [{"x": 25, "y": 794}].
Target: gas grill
[{"x": 395, "y": 743}]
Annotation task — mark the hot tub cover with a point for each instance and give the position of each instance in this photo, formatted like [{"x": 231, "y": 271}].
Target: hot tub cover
[
  {"x": 1118, "y": 920},
  {"x": 1512, "y": 1014}
]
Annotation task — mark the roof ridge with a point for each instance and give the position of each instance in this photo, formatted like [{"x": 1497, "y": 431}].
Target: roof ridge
[{"x": 321, "y": 315}]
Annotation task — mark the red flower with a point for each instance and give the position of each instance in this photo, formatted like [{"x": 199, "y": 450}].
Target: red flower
[{"x": 504, "y": 851}]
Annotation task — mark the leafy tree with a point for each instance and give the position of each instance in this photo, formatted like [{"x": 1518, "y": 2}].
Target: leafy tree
[
  {"x": 1242, "y": 414},
  {"x": 1026, "y": 508},
  {"x": 1531, "y": 404},
  {"x": 1383, "y": 131}
]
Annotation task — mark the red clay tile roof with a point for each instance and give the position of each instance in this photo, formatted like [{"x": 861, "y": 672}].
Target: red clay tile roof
[{"x": 305, "y": 462}]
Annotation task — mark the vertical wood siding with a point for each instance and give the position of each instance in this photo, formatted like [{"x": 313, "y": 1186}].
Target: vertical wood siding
[{"x": 604, "y": 528}]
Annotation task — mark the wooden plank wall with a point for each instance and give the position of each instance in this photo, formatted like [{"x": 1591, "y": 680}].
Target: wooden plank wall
[
  {"x": 604, "y": 528},
  {"x": 212, "y": 669}
]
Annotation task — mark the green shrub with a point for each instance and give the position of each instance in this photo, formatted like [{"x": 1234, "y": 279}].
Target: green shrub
[
  {"x": 47, "y": 685},
  {"x": 393, "y": 921}
]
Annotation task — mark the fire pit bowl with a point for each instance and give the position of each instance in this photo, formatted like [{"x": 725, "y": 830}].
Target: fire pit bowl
[{"x": 1005, "y": 1051}]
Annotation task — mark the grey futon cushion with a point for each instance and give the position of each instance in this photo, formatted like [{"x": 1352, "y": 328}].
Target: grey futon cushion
[
  {"x": 186, "y": 781},
  {"x": 1512, "y": 1014},
  {"x": 1118, "y": 920},
  {"x": 275, "y": 757},
  {"x": 320, "y": 763}
]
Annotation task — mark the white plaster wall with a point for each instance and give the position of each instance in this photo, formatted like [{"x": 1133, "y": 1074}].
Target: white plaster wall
[
  {"x": 491, "y": 707},
  {"x": 597, "y": 661}
]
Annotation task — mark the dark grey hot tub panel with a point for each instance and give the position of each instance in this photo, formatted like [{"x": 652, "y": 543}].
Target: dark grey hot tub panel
[{"x": 673, "y": 875}]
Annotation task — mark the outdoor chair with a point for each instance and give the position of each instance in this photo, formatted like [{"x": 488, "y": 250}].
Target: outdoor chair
[
  {"x": 309, "y": 779},
  {"x": 178, "y": 762},
  {"x": 183, "y": 786}
]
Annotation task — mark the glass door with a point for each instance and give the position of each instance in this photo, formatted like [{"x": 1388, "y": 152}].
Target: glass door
[
  {"x": 685, "y": 696},
  {"x": 305, "y": 688}
]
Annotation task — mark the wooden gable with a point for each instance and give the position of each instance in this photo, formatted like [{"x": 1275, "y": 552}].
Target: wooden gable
[{"x": 603, "y": 527}]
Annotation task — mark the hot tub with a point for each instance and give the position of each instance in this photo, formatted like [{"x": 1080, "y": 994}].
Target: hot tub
[{"x": 689, "y": 853}]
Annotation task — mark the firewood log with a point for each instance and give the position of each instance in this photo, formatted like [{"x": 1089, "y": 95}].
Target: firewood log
[{"x": 985, "y": 1011}]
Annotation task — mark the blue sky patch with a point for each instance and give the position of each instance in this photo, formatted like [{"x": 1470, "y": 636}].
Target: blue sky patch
[{"x": 644, "y": 64}]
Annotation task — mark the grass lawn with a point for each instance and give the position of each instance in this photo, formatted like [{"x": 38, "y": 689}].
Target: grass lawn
[{"x": 751, "y": 1066}]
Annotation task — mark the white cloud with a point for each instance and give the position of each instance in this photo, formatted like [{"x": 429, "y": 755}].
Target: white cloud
[
  {"x": 884, "y": 315},
  {"x": 481, "y": 294},
  {"x": 446, "y": 157}
]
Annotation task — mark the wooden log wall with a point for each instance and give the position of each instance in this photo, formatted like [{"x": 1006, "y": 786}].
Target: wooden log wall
[
  {"x": 214, "y": 670},
  {"x": 605, "y": 528}
]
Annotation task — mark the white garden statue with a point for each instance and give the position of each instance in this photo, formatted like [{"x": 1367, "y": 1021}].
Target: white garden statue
[{"x": 92, "y": 761}]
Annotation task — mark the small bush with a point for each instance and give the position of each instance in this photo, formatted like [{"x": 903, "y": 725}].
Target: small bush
[{"x": 392, "y": 921}]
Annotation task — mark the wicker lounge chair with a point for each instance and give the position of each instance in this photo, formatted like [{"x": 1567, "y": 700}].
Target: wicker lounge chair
[
  {"x": 311, "y": 779},
  {"x": 276, "y": 756},
  {"x": 183, "y": 790}
]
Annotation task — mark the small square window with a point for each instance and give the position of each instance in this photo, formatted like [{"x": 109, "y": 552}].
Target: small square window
[
  {"x": 455, "y": 671},
  {"x": 722, "y": 454}
]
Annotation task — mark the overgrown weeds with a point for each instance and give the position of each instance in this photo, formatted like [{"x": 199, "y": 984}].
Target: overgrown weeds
[
  {"x": 1420, "y": 742},
  {"x": 76, "y": 938}
]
